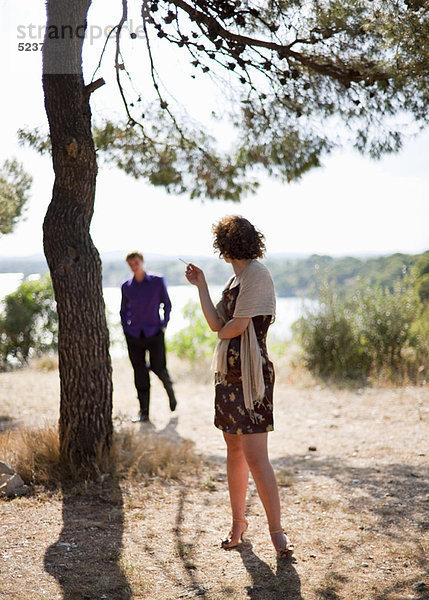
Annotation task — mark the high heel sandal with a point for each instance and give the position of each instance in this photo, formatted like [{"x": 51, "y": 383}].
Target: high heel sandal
[
  {"x": 287, "y": 550},
  {"x": 230, "y": 542}
]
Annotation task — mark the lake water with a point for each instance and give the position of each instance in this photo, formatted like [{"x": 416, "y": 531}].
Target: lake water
[{"x": 288, "y": 309}]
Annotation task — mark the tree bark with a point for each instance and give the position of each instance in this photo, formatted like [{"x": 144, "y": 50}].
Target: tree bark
[{"x": 75, "y": 266}]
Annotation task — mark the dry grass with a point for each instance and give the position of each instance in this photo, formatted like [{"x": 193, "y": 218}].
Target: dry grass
[
  {"x": 45, "y": 362},
  {"x": 142, "y": 457},
  {"x": 35, "y": 455},
  {"x": 356, "y": 507}
]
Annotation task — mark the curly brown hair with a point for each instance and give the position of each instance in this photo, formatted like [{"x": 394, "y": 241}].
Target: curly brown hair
[{"x": 236, "y": 238}]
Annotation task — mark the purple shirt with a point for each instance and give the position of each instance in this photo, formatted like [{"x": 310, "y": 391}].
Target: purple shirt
[{"x": 141, "y": 301}]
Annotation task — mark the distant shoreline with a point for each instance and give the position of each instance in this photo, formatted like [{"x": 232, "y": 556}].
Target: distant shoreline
[{"x": 293, "y": 277}]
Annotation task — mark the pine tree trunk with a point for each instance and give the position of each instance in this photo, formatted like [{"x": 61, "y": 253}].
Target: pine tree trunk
[{"x": 74, "y": 263}]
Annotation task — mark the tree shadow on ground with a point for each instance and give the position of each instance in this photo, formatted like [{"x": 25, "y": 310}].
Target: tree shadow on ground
[
  {"x": 85, "y": 559},
  {"x": 396, "y": 494},
  {"x": 185, "y": 551},
  {"x": 392, "y": 501},
  {"x": 187, "y": 583}
]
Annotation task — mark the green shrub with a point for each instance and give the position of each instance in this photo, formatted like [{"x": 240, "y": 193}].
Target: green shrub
[
  {"x": 385, "y": 320},
  {"x": 423, "y": 288},
  {"x": 422, "y": 265},
  {"x": 421, "y": 272},
  {"x": 329, "y": 339},
  {"x": 417, "y": 356},
  {"x": 29, "y": 322},
  {"x": 195, "y": 341},
  {"x": 375, "y": 331}
]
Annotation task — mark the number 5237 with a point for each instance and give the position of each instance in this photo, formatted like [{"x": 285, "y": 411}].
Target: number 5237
[{"x": 30, "y": 47}]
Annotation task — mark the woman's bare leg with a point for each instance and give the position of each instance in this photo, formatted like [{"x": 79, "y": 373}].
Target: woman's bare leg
[
  {"x": 255, "y": 450},
  {"x": 238, "y": 477}
]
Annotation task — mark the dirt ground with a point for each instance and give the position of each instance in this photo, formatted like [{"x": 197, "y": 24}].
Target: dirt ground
[{"x": 356, "y": 504}]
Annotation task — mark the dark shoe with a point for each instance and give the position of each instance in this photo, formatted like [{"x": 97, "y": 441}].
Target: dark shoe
[
  {"x": 140, "y": 419},
  {"x": 170, "y": 393}
]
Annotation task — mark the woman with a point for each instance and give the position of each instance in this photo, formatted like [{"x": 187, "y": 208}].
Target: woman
[{"x": 244, "y": 376}]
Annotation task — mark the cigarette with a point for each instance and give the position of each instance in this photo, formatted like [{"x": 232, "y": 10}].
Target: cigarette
[{"x": 183, "y": 261}]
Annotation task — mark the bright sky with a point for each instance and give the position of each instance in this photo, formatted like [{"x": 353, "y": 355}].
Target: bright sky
[{"x": 350, "y": 206}]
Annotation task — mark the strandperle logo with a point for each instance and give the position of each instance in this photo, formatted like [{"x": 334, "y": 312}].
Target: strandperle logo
[{"x": 32, "y": 32}]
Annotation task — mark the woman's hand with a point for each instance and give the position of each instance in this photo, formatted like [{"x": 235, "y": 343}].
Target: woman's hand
[{"x": 195, "y": 275}]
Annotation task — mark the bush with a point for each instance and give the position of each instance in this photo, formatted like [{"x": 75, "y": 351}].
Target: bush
[
  {"x": 423, "y": 288},
  {"x": 385, "y": 320},
  {"x": 329, "y": 339},
  {"x": 196, "y": 341},
  {"x": 29, "y": 323},
  {"x": 418, "y": 352},
  {"x": 375, "y": 331}
]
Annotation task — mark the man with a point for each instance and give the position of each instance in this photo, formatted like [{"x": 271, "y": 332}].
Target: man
[{"x": 142, "y": 297}]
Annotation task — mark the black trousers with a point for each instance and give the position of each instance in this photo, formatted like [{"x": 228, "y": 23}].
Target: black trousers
[{"x": 137, "y": 350}]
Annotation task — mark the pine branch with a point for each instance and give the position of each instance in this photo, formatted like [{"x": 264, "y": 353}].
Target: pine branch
[{"x": 338, "y": 70}]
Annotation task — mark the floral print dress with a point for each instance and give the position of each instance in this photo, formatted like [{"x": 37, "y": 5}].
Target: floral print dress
[{"x": 231, "y": 415}]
